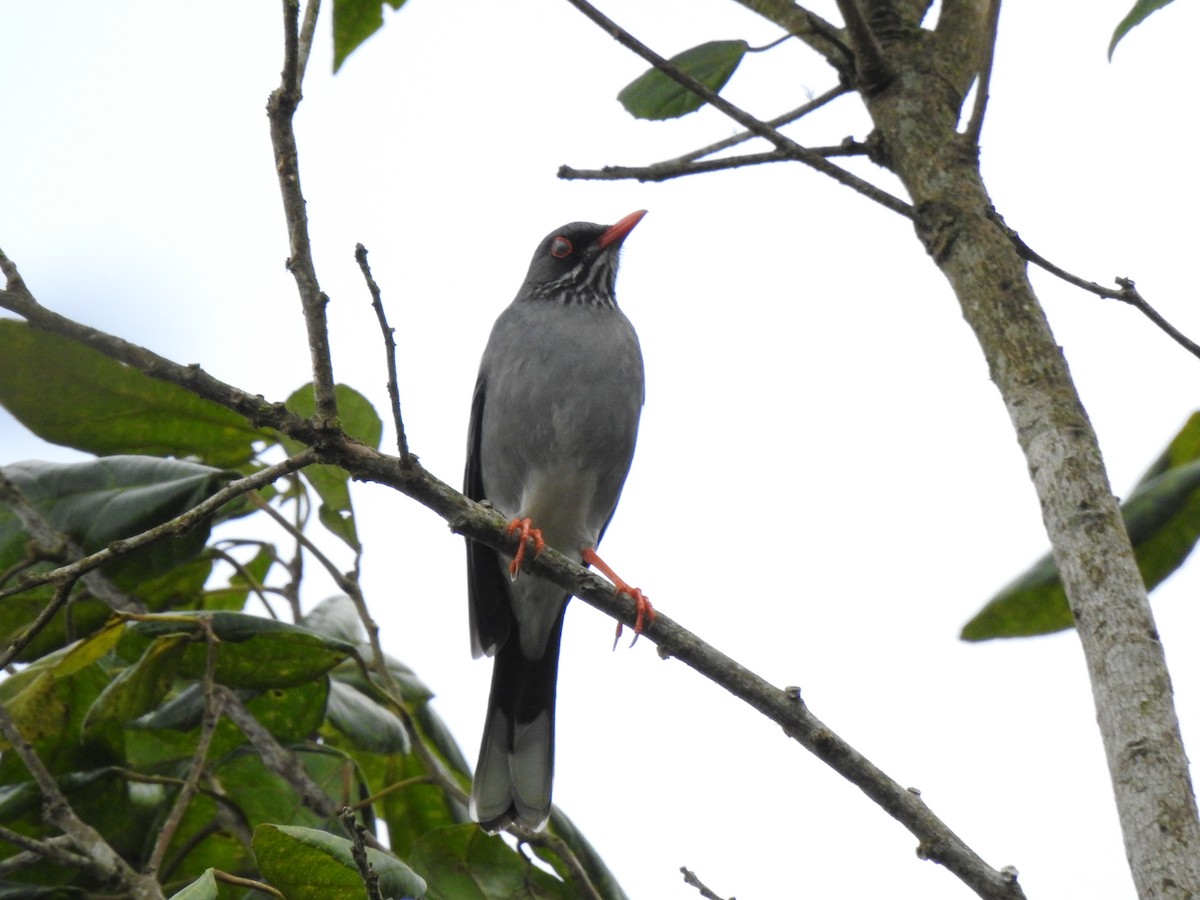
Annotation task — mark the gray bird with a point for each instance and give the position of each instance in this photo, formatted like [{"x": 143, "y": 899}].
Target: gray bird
[{"x": 553, "y": 425}]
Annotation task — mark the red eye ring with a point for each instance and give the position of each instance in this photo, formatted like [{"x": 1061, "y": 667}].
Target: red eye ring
[{"x": 561, "y": 248}]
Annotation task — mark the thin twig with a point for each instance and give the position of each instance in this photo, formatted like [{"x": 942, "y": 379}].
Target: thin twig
[
  {"x": 358, "y": 852},
  {"x": 665, "y": 171},
  {"x": 389, "y": 342},
  {"x": 275, "y": 756},
  {"x": 21, "y": 640},
  {"x": 55, "y": 850},
  {"x": 761, "y": 129},
  {"x": 281, "y": 107},
  {"x": 689, "y": 878},
  {"x": 1126, "y": 291},
  {"x": 982, "y": 85},
  {"x": 174, "y": 527},
  {"x": 59, "y": 546},
  {"x": 208, "y": 728},
  {"x": 778, "y": 122},
  {"x": 239, "y": 881},
  {"x": 308, "y": 28}
]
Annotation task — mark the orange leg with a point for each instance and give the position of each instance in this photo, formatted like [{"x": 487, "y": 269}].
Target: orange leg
[
  {"x": 528, "y": 532},
  {"x": 645, "y": 612}
]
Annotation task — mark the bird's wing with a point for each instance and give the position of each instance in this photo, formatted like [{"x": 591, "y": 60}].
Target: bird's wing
[{"x": 487, "y": 590}]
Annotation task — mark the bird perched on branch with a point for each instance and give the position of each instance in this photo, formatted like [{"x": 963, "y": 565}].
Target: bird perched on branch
[{"x": 553, "y": 425}]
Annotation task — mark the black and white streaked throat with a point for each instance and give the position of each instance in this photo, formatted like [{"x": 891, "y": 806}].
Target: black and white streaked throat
[{"x": 590, "y": 283}]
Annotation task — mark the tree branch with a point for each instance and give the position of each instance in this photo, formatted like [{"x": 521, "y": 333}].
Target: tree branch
[
  {"x": 1126, "y": 291},
  {"x": 983, "y": 85},
  {"x": 389, "y": 342},
  {"x": 481, "y": 523},
  {"x": 56, "y": 545},
  {"x": 281, "y": 108},
  {"x": 174, "y": 527}
]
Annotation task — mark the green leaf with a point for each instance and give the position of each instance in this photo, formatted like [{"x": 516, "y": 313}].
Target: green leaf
[
  {"x": 1162, "y": 517},
  {"x": 306, "y": 864},
  {"x": 353, "y": 22},
  {"x": 655, "y": 96},
  {"x": 103, "y": 500},
  {"x": 1135, "y": 17},
  {"x": 252, "y": 652},
  {"x": 203, "y": 888},
  {"x": 29, "y": 694},
  {"x": 367, "y": 724},
  {"x": 335, "y": 617},
  {"x": 463, "y": 863},
  {"x": 140, "y": 687},
  {"x": 69, "y": 394},
  {"x": 332, "y": 483}
]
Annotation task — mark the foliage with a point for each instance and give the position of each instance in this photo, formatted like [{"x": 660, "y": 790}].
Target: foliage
[
  {"x": 128, "y": 709},
  {"x": 1162, "y": 516},
  {"x": 655, "y": 96},
  {"x": 1137, "y": 15}
]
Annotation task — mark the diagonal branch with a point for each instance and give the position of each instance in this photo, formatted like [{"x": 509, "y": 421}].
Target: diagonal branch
[
  {"x": 1126, "y": 291},
  {"x": 53, "y": 544},
  {"x": 176, "y": 526},
  {"x": 778, "y": 122},
  {"x": 480, "y": 523}
]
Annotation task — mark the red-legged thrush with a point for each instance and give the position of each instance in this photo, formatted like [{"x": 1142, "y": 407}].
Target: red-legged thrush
[{"x": 553, "y": 425}]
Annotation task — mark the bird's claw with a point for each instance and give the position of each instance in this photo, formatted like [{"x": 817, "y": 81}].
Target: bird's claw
[
  {"x": 645, "y": 614},
  {"x": 528, "y": 532}
]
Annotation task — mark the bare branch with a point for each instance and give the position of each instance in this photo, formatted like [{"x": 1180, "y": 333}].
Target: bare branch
[
  {"x": 1126, "y": 291},
  {"x": 689, "y": 878},
  {"x": 778, "y": 122},
  {"x": 358, "y": 844},
  {"x": 208, "y": 728},
  {"x": 983, "y": 85},
  {"x": 281, "y": 107},
  {"x": 389, "y": 342}
]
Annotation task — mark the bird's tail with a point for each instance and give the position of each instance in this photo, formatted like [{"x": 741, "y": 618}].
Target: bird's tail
[{"x": 516, "y": 758}]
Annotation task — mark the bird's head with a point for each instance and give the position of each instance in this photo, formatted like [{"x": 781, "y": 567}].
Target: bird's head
[{"x": 577, "y": 263}]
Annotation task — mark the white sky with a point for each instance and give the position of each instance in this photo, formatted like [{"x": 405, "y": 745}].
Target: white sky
[{"x": 826, "y": 485}]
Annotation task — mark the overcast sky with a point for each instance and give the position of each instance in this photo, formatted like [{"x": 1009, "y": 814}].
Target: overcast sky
[{"x": 826, "y": 485}]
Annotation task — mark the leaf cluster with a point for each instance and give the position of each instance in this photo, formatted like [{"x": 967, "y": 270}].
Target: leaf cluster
[{"x": 211, "y": 747}]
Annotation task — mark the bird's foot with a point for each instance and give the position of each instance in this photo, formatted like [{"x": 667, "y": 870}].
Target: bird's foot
[
  {"x": 528, "y": 532},
  {"x": 645, "y": 612}
]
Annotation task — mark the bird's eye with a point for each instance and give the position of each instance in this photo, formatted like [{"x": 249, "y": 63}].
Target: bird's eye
[{"x": 560, "y": 248}]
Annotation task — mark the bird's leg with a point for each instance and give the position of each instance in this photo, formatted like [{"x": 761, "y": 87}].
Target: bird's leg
[
  {"x": 645, "y": 612},
  {"x": 525, "y": 526}
]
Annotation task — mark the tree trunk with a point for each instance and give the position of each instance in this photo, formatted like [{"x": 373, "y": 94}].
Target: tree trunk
[{"x": 913, "y": 82}]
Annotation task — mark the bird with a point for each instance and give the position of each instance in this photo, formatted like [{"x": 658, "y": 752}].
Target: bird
[{"x": 554, "y": 421}]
